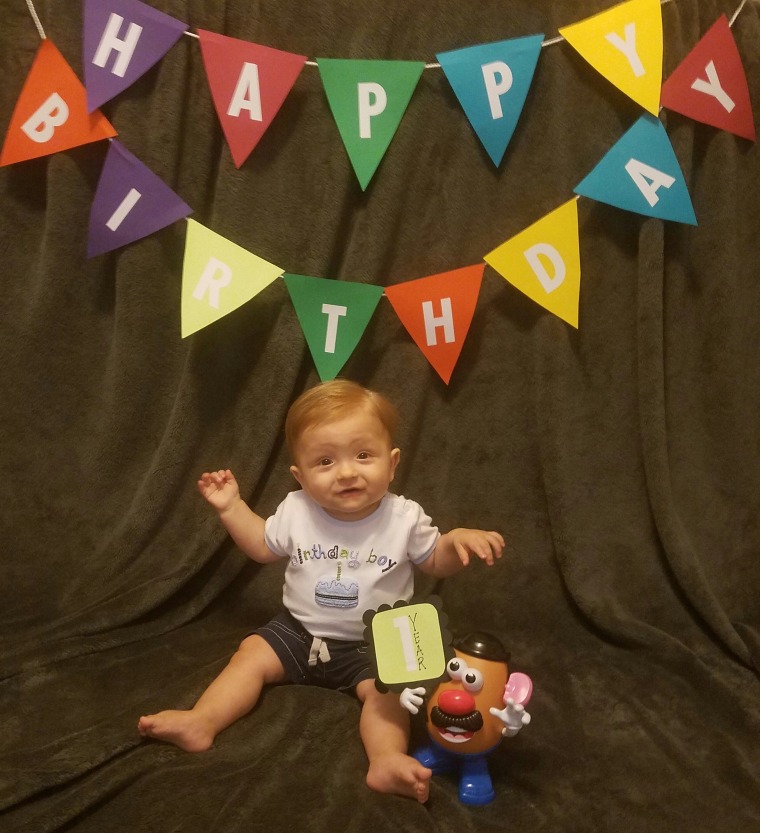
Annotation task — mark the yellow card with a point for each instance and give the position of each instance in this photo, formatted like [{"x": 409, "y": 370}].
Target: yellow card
[
  {"x": 218, "y": 276},
  {"x": 543, "y": 261},
  {"x": 624, "y": 44}
]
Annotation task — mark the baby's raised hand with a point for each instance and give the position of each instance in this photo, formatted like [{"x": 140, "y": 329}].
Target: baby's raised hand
[
  {"x": 487, "y": 546},
  {"x": 219, "y": 488}
]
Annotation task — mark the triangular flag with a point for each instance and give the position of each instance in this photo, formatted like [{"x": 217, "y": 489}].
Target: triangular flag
[
  {"x": 641, "y": 173},
  {"x": 130, "y": 202},
  {"x": 710, "y": 84},
  {"x": 437, "y": 312},
  {"x": 51, "y": 112},
  {"x": 543, "y": 262},
  {"x": 333, "y": 316},
  {"x": 491, "y": 82},
  {"x": 122, "y": 40},
  {"x": 248, "y": 83},
  {"x": 218, "y": 276},
  {"x": 624, "y": 44},
  {"x": 368, "y": 100}
]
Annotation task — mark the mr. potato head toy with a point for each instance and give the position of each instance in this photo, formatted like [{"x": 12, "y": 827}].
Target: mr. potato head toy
[{"x": 476, "y": 704}]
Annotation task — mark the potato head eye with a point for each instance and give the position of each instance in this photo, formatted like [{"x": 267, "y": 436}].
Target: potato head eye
[
  {"x": 456, "y": 668},
  {"x": 472, "y": 680}
]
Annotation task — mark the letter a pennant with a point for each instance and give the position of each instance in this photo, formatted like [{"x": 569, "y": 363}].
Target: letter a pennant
[
  {"x": 624, "y": 44},
  {"x": 640, "y": 173},
  {"x": 491, "y": 82},
  {"x": 368, "y": 100},
  {"x": 248, "y": 83},
  {"x": 333, "y": 316},
  {"x": 51, "y": 112},
  {"x": 710, "y": 85},
  {"x": 218, "y": 276},
  {"x": 130, "y": 202},
  {"x": 543, "y": 262},
  {"x": 437, "y": 312},
  {"x": 122, "y": 40}
]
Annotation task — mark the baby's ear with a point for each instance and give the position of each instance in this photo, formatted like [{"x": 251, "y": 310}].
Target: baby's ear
[
  {"x": 294, "y": 470},
  {"x": 395, "y": 458}
]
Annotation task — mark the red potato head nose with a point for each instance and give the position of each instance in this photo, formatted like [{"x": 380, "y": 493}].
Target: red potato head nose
[{"x": 456, "y": 702}]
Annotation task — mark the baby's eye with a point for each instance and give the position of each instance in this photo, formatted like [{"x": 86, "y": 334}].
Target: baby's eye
[
  {"x": 325, "y": 461},
  {"x": 363, "y": 455}
]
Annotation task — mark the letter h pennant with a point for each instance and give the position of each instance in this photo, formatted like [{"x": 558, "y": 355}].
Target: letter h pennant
[
  {"x": 437, "y": 312},
  {"x": 333, "y": 316},
  {"x": 130, "y": 202},
  {"x": 122, "y": 40}
]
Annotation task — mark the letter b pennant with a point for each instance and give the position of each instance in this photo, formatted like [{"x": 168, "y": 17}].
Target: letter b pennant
[
  {"x": 437, "y": 312},
  {"x": 333, "y": 316}
]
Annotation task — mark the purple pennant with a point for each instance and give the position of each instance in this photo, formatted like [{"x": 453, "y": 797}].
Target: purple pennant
[
  {"x": 123, "y": 39},
  {"x": 130, "y": 202}
]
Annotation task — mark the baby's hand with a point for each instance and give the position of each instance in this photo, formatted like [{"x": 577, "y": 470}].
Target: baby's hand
[
  {"x": 487, "y": 546},
  {"x": 219, "y": 488}
]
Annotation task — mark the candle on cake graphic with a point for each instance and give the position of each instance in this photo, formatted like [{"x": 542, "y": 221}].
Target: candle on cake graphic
[{"x": 332, "y": 592}]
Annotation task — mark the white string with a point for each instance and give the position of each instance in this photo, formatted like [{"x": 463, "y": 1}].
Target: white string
[
  {"x": 736, "y": 14},
  {"x": 35, "y": 18}
]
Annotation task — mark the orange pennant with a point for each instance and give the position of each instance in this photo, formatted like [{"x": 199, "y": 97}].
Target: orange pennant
[
  {"x": 51, "y": 112},
  {"x": 437, "y": 312}
]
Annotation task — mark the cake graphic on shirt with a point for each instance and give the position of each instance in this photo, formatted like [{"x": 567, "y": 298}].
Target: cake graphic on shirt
[{"x": 334, "y": 593}]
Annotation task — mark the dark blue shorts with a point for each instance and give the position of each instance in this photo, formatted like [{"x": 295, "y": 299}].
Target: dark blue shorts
[{"x": 331, "y": 663}]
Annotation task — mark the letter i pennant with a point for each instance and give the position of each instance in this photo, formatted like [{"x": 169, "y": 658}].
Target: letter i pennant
[
  {"x": 122, "y": 40},
  {"x": 51, "y": 112},
  {"x": 710, "y": 85},
  {"x": 543, "y": 261},
  {"x": 333, "y": 316},
  {"x": 218, "y": 276},
  {"x": 437, "y": 312},
  {"x": 368, "y": 100},
  {"x": 130, "y": 202}
]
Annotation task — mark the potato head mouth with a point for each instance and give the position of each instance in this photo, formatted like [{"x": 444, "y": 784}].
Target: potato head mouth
[{"x": 456, "y": 728}]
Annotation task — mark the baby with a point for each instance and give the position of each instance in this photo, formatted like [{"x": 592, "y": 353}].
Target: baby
[{"x": 351, "y": 546}]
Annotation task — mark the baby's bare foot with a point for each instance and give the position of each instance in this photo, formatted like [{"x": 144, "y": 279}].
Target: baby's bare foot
[
  {"x": 184, "y": 729},
  {"x": 399, "y": 774}
]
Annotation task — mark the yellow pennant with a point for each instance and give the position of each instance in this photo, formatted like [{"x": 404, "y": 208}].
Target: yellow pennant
[
  {"x": 218, "y": 277},
  {"x": 624, "y": 44},
  {"x": 543, "y": 261}
]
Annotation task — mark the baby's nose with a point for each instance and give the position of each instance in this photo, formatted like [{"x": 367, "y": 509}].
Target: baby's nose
[{"x": 346, "y": 469}]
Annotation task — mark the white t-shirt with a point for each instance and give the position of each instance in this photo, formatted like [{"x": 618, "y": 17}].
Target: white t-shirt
[{"x": 337, "y": 570}]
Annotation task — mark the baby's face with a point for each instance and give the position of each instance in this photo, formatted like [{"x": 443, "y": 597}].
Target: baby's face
[{"x": 346, "y": 465}]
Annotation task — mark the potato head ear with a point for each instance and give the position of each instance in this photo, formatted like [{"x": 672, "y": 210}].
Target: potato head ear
[{"x": 519, "y": 687}]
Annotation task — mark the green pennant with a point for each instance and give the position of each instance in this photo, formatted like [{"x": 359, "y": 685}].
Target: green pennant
[
  {"x": 368, "y": 100},
  {"x": 333, "y": 316}
]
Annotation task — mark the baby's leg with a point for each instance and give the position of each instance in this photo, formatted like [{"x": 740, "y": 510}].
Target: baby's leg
[
  {"x": 384, "y": 729},
  {"x": 231, "y": 695}
]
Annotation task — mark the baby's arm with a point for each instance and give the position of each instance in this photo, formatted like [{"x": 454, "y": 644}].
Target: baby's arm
[
  {"x": 455, "y": 549},
  {"x": 245, "y": 527}
]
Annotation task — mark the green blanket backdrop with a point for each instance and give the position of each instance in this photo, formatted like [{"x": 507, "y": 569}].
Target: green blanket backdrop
[{"x": 621, "y": 461}]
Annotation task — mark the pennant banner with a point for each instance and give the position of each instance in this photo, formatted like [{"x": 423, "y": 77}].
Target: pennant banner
[
  {"x": 130, "y": 202},
  {"x": 122, "y": 40},
  {"x": 491, "y": 82},
  {"x": 248, "y": 83},
  {"x": 437, "y": 312},
  {"x": 710, "y": 84},
  {"x": 368, "y": 100},
  {"x": 624, "y": 44},
  {"x": 51, "y": 113},
  {"x": 333, "y": 316},
  {"x": 218, "y": 277},
  {"x": 640, "y": 173},
  {"x": 543, "y": 262}
]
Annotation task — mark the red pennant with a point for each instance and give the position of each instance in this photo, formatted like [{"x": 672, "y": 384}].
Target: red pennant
[
  {"x": 437, "y": 311},
  {"x": 710, "y": 85},
  {"x": 248, "y": 83},
  {"x": 51, "y": 112}
]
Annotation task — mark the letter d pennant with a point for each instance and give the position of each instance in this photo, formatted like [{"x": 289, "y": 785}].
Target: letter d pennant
[
  {"x": 437, "y": 312},
  {"x": 218, "y": 277},
  {"x": 51, "y": 112},
  {"x": 543, "y": 261},
  {"x": 333, "y": 316}
]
